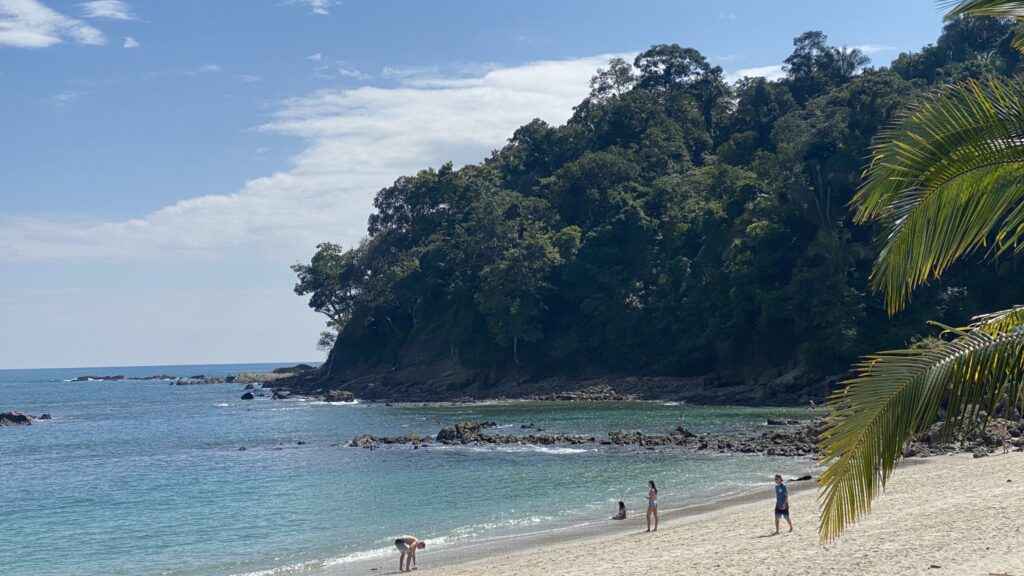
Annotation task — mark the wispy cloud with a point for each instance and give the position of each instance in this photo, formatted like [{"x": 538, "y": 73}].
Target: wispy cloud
[
  {"x": 773, "y": 72},
  {"x": 869, "y": 49},
  {"x": 204, "y": 69},
  {"x": 250, "y": 78},
  {"x": 319, "y": 7},
  {"x": 726, "y": 16},
  {"x": 30, "y": 24},
  {"x": 130, "y": 42},
  {"x": 355, "y": 142},
  {"x": 112, "y": 9},
  {"x": 328, "y": 69},
  {"x": 64, "y": 98}
]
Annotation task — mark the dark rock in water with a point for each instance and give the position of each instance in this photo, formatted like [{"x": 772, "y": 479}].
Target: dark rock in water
[
  {"x": 680, "y": 431},
  {"x": 15, "y": 419},
  {"x": 301, "y": 442},
  {"x": 230, "y": 378},
  {"x": 532, "y": 426},
  {"x": 45, "y": 417},
  {"x": 782, "y": 421},
  {"x": 242, "y": 449},
  {"x": 247, "y": 396},
  {"x": 297, "y": 369},
  {"x": 800, "y": 479},
  {"x": 98, "y": 378},
  {"x": 197, "y": 377},
  {"x": 281, "y": 395},
  {"x": 340, "y": 396},
  {"x": 249, "y": 387}
]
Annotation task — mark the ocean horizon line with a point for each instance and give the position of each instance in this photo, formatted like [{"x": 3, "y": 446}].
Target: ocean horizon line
[{"x": 135, "y": 366}]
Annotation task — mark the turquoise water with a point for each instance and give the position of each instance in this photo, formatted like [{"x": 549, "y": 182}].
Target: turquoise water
[{"x": 145, "y": 478}]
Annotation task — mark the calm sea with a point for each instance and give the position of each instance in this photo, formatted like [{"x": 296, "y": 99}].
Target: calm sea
[{"x": 147, "y": 478}]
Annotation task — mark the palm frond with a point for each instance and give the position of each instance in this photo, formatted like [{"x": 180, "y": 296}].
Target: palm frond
[
  {"x": 998, "y": 8},
  {"x": 896, "y": 395},
  {"x": 947, "y": 179}
]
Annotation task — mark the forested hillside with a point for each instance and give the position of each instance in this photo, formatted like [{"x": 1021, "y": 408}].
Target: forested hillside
[{"x": 677, "y": 225}]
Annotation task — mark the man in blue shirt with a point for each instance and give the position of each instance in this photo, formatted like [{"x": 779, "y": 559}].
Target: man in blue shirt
[{"x": 781, "y": 503}]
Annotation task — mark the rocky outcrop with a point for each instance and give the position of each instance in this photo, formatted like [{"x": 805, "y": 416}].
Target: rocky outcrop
[
  {"x": 340, "y": 396},
  {"x": 248, "y": 396},
  {"x": 297, "y": 369},
  {"x": 15, "y": 419},
  {"x": 116, "y": 378},
  {"x": 463, "y": 432},
  {"x": 372, "y": 442},
  {"x": 600, "y": 392}
]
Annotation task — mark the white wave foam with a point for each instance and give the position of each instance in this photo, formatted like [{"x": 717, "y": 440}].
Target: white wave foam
[{"x": 518, "y": 448}]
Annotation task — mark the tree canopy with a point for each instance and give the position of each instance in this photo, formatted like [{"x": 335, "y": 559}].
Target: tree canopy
[{"x": 677, "y": 224}]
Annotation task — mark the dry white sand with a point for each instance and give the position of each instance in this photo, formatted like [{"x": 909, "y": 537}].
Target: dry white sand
[{"x": 950, "y": 515}]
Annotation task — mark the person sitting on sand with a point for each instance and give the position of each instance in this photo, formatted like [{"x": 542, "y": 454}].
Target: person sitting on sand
[
  {"x": 621, "y": 514},
  {"x": 781, "y": 503},
  {"x": 408, "y": 545},
  {"x": 652, "y": 505}
]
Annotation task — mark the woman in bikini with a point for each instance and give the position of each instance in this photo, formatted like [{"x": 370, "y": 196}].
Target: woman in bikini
[{"x": 652, "y": 505}]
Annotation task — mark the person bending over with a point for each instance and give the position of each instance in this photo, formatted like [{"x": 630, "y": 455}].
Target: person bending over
[{"x": 407, "y": 546}]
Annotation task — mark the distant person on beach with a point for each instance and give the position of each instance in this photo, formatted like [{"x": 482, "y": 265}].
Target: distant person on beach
[
  {"x": 652, "y": 505},
  {"x": 781, "y": 503},
  {"x": 621, "y": 514},
  {"x": 1004, "y": 435},
  {"x": 408, "y": 545}
]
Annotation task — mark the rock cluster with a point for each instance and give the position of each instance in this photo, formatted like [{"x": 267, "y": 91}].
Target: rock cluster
[
  {"x": 980, "y": 441},
  {"x": 19, "y": 419},
  {"x": 371, "y": 442},
  {"x": 601, "y": 392}
]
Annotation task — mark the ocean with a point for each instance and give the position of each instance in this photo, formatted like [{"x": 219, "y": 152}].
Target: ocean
[{"x": 145, "y": 478}]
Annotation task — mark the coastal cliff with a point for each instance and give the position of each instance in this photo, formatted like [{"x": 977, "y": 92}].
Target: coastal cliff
[{"x": 680, "y": 236}]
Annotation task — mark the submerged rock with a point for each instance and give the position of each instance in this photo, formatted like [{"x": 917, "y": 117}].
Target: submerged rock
[{"x": 247, "y": 396}]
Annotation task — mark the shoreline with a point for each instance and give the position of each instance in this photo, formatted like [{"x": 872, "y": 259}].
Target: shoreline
[
  {"x": 574, "y": 532},
  {"x": 943, "y": 515}
]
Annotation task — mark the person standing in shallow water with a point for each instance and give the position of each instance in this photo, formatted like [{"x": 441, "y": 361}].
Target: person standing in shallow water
[
  {"x": 652, "y": 505},
  {"x": 781, "y": 504}
]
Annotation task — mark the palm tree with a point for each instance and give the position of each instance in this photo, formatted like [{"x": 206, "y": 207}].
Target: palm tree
[{"x": 947, "y": 181}]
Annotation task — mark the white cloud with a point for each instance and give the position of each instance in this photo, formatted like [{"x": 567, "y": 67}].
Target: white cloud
[
  {"x": 130, "y": 42},
  {"x": 64, "y": 98},
  {"x": 348, "y": 72},
  {"x": 111, "y": 9},
  {"x": 726, "y": 16},
  {"x": 250, "y": 78},
  {"x": 315, "y": 57},
  {"x": 320, "y": 7},
  {"x": 773, "y": 72},
  {"x": 30, "y": 24},
  {"x": 356, "y": 142},
  {"x": 204, "y": 69},
  {"x": 869, "y": 49}
]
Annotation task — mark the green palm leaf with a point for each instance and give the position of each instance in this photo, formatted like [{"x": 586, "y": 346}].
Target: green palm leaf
[
  {"x": 895, "y": 395},
  {"x": 998, "y": 8},
  {"x": 946, "y": 180}
]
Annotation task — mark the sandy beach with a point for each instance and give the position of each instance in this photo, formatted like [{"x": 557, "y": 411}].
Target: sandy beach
[{"x": 944, "y": 515}]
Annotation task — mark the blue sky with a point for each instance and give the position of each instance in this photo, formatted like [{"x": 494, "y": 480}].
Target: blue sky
[{"x": 163, "y": 163}]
